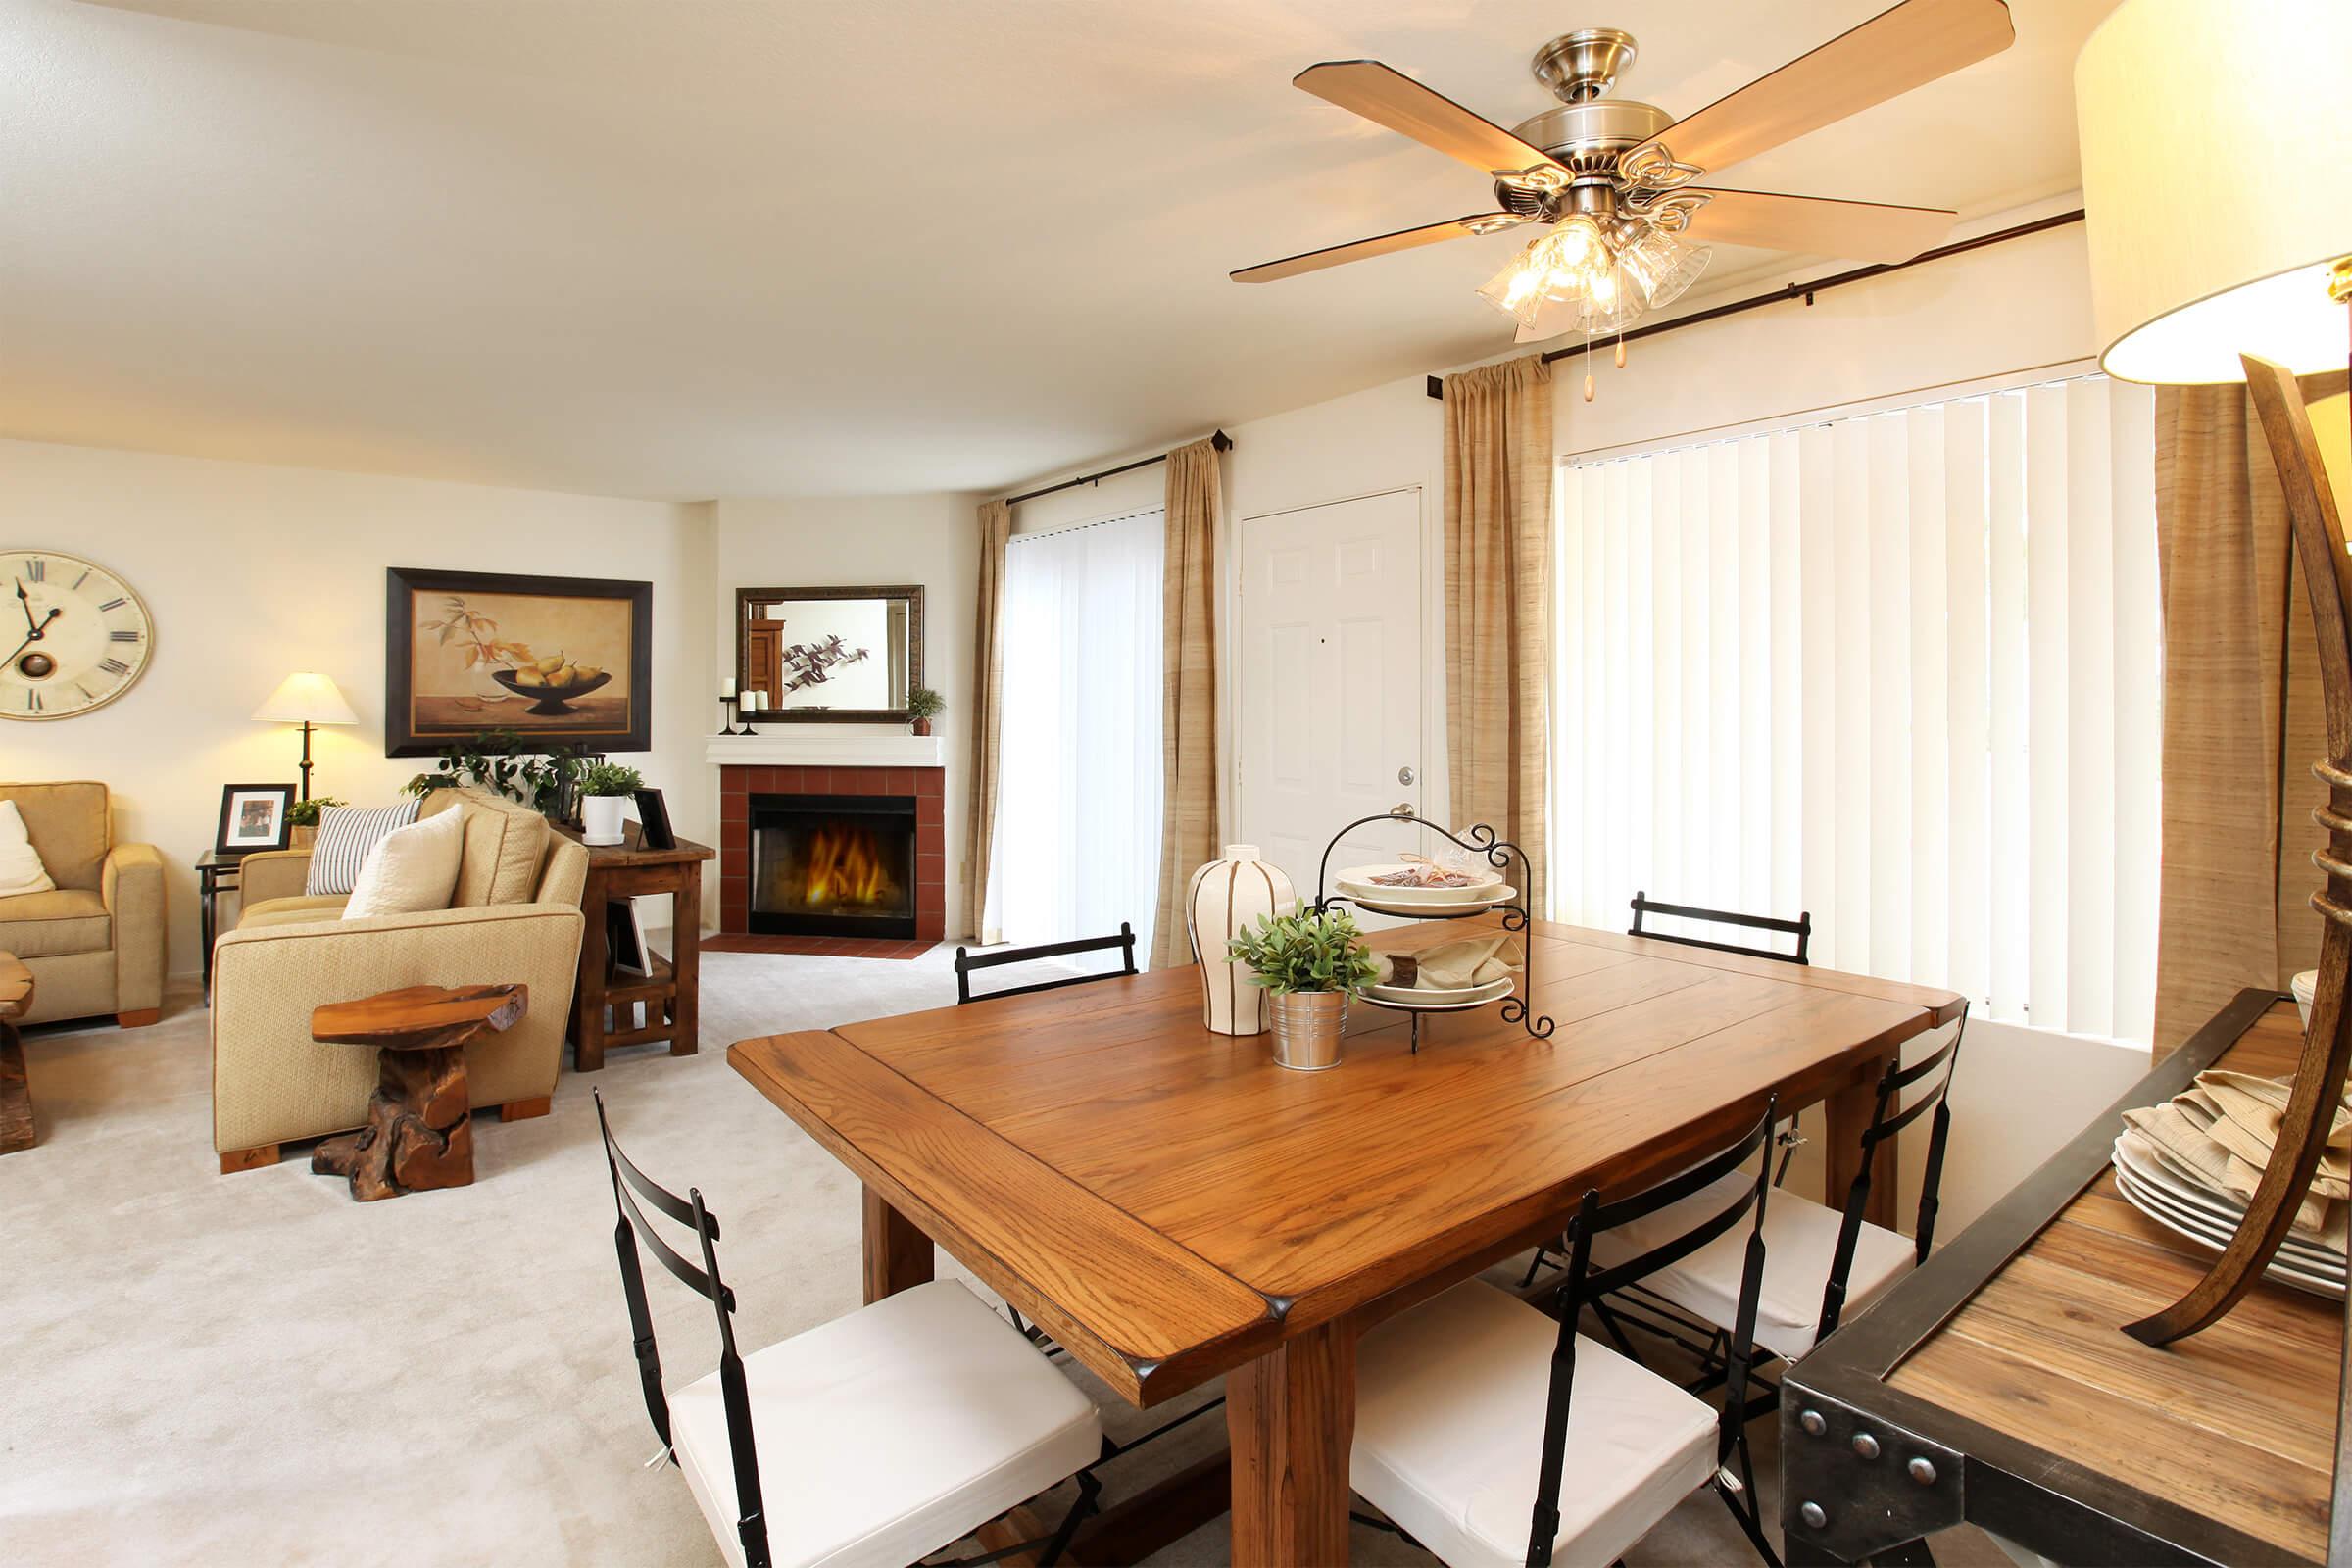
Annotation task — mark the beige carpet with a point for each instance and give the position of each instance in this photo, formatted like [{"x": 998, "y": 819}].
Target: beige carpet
[{"x": 198, "y": 1369}]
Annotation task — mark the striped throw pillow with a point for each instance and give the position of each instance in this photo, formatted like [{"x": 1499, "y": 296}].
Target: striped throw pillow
[{"x": 346, "y": 833}]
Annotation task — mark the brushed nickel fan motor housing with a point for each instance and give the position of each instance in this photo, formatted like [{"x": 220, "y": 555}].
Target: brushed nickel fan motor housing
[{"x": 1587, "y": 130}]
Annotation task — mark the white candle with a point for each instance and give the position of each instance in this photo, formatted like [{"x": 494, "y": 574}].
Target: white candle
[
  {"x": 726, "y": 688},
  {"x": 750, "y": 702}
]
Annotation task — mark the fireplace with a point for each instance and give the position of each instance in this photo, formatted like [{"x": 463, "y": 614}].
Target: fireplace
[{"x": 832, "y": 865}]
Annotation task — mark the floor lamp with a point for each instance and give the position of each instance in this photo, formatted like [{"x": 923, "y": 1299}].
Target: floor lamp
[{"x": 310, "y": 700}]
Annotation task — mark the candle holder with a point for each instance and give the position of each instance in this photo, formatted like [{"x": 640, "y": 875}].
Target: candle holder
[{"x": 733, "y": 706}]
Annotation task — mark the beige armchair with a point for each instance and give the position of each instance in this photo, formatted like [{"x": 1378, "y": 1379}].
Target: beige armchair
[
  {"x": 516, "y": 915},
  {"x": 95, "y": 945}
]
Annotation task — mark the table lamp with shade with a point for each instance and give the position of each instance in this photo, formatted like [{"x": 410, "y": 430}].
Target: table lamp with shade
[
  {"x": 308, "y": 700},
  {"x": 2216, "y": 187}
]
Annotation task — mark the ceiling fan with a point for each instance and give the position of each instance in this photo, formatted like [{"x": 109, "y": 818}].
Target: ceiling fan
[{"x": 1610, "y": 179}]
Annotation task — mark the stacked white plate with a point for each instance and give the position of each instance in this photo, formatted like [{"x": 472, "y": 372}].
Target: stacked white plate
[
  {"x": 2161, "y": 1188},
  {"x": 1359, "y": 884},
  {"x": 1424, "y": 999}
]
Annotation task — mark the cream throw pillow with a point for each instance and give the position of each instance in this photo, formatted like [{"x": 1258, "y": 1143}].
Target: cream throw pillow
[
  {"x": 411, "y": 869},
  {"x": 20, "y": 869}
]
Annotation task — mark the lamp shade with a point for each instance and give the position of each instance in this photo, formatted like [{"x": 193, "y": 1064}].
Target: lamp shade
[
  {"x": 307, "y": 699},
  {"x": 2217, "y": 184}
]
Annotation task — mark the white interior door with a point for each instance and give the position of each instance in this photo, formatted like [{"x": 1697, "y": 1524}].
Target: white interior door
[{"x": 1330, "y": 680}]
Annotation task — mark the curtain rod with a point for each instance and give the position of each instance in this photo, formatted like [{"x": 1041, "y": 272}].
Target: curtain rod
[
  {"x": 1220, "y": 440},
  {"x": 1806, "y": 291}
]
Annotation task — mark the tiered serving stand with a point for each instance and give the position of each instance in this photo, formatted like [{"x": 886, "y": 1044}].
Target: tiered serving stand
[{"x": 1499, "y": 854}]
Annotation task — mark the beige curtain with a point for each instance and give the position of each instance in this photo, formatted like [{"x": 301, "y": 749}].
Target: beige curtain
[
  {"x": 2243, "y": 721},
  {"x": 1188, "y": 834},
  {"x": 988, "y": 680},
  {"x": 1498, "y": 467}
]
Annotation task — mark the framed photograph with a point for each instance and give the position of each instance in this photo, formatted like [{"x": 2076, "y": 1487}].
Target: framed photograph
[
  {"x": 558, "y": 661},
  {"x": 652, "y": 817},
  {"x": 253, "y": 816}
]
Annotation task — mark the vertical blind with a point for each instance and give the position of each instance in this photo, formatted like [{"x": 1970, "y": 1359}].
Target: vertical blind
[
  {"x": 1900, "y": 670},
  {"x": 1077, "y": 846}
]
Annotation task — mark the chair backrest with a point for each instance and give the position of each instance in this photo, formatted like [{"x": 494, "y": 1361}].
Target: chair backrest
[
  {"x": 70, "y": 828},
  {"x": 632, "y": 1227},
  {"x": 1888, "y": 1118},
  {"x": 1800, "y": 928},
  {"x": 1580, "y": 1284},
  {"x": 967, "y": 961}
]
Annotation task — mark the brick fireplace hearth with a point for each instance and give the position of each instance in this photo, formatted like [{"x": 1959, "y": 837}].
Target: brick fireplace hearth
[{"x": 739, "y": 786}]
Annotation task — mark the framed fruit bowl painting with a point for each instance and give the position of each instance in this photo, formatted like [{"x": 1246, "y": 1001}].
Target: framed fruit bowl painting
[{"x": 558, "y": 661}]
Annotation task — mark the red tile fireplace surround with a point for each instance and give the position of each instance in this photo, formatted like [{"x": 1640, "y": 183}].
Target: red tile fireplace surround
[{"x": 739, "y": 783}]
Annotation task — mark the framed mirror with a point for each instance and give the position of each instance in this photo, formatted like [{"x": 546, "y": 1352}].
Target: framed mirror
[{"x": 829, "y": 656}]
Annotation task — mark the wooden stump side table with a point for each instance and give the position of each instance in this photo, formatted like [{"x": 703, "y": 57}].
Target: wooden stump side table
[
  {"x": 420, "y": 1131},
  {"x": 15, "y": 1095}
]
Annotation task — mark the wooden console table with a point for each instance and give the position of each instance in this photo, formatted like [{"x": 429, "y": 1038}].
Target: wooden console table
[
  {"x": 671, "y": 992},
  {"x": 1995, "y": 1385}
]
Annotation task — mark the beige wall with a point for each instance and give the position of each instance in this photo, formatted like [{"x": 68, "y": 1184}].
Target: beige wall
[
  {"x": 252, "y": 572},
  {"x": 931, "y": 539}
]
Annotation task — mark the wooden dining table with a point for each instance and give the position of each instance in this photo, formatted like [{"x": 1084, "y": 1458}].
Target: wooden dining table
[{"x": 1173, "y": 1207}]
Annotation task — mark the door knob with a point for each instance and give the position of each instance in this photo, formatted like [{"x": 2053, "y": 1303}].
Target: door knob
[{"x": 1402, "y": 808}]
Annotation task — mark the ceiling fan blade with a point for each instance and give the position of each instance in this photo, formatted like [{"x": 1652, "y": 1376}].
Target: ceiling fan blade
[
  {"x": 1885, "y": 57},
  {"x": 1393, "y": 99},
  {"x": 1405, "y": 239},
  {"x": 1815, "y": 226}
]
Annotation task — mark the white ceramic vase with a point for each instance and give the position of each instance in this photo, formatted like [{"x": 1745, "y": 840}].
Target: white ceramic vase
[
  {"x": 1224, "y": 897},
  {"x": 601, "y": 819}
]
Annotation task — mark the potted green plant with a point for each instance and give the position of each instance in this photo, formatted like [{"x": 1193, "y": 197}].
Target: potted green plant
[
  {"x": 922, "y": 705},
  {"x": 1310, "y": 962},
  {"x": 603, "y": 787},
  {"x": 301, "y": 820},
  {"x": 496, "y": 761}
]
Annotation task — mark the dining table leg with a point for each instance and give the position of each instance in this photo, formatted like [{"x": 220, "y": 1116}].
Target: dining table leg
[
  {"x": 899, "y": 1256},
  {"x": 1291, "y": 1416},
  {"x": 1847, "y": 1111}
]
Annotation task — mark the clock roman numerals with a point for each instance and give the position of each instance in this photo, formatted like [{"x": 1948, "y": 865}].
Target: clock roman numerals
[{"x": 81, "y": 636}]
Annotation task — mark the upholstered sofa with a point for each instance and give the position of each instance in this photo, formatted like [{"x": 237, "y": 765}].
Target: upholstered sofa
[
  {"x": 95, "y": 945},
  {"x": 516, "y": 915}
]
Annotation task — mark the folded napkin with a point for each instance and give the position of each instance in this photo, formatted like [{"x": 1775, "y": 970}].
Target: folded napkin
[
  {"x": 2219, "y": 1134},
  {"x": 1450, "y": 965}
]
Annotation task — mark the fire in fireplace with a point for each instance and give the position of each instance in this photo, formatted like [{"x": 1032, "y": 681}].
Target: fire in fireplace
[{"x": 833, "y": 864}]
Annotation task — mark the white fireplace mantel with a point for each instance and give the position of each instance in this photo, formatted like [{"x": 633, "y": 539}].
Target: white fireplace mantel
[{"x": 826, "y": 746}]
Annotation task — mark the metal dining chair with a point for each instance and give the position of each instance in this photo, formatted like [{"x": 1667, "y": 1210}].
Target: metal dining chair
[
  {"x": 902, "y": 1427},
  {"x": 1823, "y": 1259},
  {"x": 967, "y": 961},
  {"x": 1800, "y": 928},
  {"x": 1473, "y": 1407}
]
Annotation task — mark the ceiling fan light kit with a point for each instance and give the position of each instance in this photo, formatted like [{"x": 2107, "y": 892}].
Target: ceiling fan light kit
[{"x": 1610, "y": 177}]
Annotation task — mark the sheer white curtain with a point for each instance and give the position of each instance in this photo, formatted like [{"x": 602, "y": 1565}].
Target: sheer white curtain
[
  {"x": 1901, "y": 669},
  {"x": 1077, "y": 846}
]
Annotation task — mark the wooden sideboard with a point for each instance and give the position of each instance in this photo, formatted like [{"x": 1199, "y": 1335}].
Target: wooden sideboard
[
  {"x": 669, "y": 994},
  {"x": 1995, "y": 1385}
]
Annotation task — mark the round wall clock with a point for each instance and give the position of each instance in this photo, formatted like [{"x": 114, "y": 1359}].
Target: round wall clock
[{"x": 77, "y": 637}]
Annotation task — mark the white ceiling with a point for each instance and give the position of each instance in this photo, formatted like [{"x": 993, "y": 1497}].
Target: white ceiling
[{"x": 687, "y": 248}]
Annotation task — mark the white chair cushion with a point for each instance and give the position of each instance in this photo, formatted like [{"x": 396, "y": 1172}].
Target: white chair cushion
[
  {"x": 1800, "y": 1240},
  {"x": 412, "y": 869},
  {"x": 886, "y": 1434},
  {"x": 1449, "y": 1434}
]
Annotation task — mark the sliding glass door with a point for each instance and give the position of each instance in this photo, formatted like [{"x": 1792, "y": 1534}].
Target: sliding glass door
[{"x": 1078, "y": 811}]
